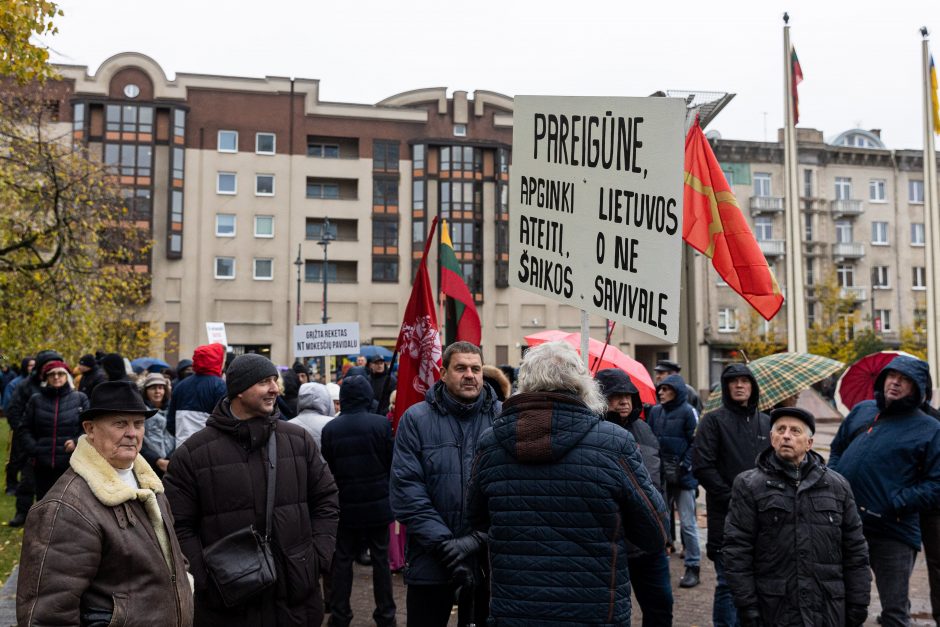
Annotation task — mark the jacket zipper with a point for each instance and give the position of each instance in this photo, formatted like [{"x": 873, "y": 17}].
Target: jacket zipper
[{"x": 55, "y": 427}]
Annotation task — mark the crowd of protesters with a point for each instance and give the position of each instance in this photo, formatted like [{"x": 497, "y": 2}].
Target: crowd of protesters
[{"x": 228, "y": 491}]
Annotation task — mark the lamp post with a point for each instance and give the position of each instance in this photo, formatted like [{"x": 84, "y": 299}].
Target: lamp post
[
  {"x": 326, "y": 237},
  {"x": 299, "y": 263}
]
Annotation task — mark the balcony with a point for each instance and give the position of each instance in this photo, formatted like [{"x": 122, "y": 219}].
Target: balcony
[
  {"x": 766, "y": 204},
  {"x": 855, "y": 293},
  {"x": 848, "y": 250},
  {"x": 772, "y": 247},
  {"x": 846, "y": 208}
]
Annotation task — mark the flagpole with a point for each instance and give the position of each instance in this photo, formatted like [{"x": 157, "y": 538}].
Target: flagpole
[
  {"x": 931, "y": 225},
  {"x": 796, "y": 296}
]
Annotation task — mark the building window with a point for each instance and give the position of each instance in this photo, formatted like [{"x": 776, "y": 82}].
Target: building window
[
  {"x": 225, "y": 225},
  {"x": 915, "y": 191},
  {"x": 763, "y": 228},
  {"x": 920, "y": 318},
  {"x": 385, "y": 269},
  {"x": 461, "y": 158},
  {"x": 228, "y": 141},
  {"x": 884, "y": 316},
  {"x": 265, "y": 143},
  {"x": 322, "y": 150},
  {"x": 843, "y": 232},
  {"x": 761, "y": 184},
  {"x": 919, "y": 277},
  {"x": 384, "y": 155},
  {"x": 417, "y": 158},
  {"x": 808, "y": 183},
  {"x": 384, "y": 195},
  {"x": 808, "y": 226},
  {"x": 384, "y": 236},
  {"x": 417, "y": 195},
  {"x": 847, "y": 327},
  {"x": 879, "y": 233},
  {"x": 727, "y": 320},
  {"x": 264, "y": 184},
  {"x": 879, "y": 278},
  {"x": 322, "y": 190},
  {"x": 460, "y": 130},
  {"x": 336, "y": 271},
  {"x": 810, "y": 313},
  {"x": 843, "y": 188},
  {"x": 226, "y": 183},
  {"x": 845, "y": 275},
  {"x": 178, "y": 163},
  {"x": 264, "y": 226},
  {"x": 264, "y": 270},
  {"x": 340, "y": 230},
  {"x": 225, "y": 267},
  {"x": 809, "y": 262},
  {"x": 917, "y": 233},
  {"x": 179, "y": 126},
  {"x": 876, "y": 190}
]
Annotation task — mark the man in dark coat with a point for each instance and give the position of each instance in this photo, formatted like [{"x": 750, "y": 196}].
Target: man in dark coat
[
  {"x": 378, "y": 375},
  {"x": 217, "y": 484},
  {"x": 673, "y": 422},
  {"x": 666, "y": 367},
  {"x": 560, "y": 493},
  {"x": 793, "y": 549},
  {"x": 434, "y": 449},
  {"x": 727, "y": 443},
  {"x": 889, "y": 450},
  {"x": 649, "y": 571},
  {"x": 358, "y": 447},
  {"x": 92, "y": 374}
]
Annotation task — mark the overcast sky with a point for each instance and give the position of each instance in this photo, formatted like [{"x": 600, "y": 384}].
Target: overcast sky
[{"x": 861, "y": 60}]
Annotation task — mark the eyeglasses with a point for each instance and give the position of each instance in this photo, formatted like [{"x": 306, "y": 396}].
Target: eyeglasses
[{"x": 57, "y": 373}]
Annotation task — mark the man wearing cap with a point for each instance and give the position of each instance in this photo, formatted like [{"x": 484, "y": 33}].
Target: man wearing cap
[
  {"x": 666, "y": 367},
  {"x": 217, "y": 484},
  {"x": 794, "y": 553},
  {"x": 100, "y": 548},
  {"x": 378, "y": 375},
  {"x": 889, "y": 450}
]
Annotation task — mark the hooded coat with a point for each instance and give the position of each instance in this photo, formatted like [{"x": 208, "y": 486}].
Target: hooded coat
[
  {"x": 316, "y": 409},
  {"x": 793, "y": 544},
  {"x": 358, "y": 445},
  {"x": 673, "y": 423},
  {"x": 727, "y": 443},
  {"x": 560, "y": 493},
  {"x": 195, "y": 396},
  {"x": 891, "y": 456}
]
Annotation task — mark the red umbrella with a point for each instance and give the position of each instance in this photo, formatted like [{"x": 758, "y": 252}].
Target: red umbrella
[
  {"x": 857, "y": 383},
  {"x": 613, "y": 357}
]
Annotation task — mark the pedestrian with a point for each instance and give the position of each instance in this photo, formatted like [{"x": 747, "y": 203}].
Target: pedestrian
[
  {"x": 560, "y": 492},
  {"x": 673, "y": 422},
  {"x": 184, "y": 369},
  {"x": 383, "y": 382},
  {"x": 794, "y": 553},
  {"x": 51, "y": 425},
  {"x": 434, "y": 448},
  {"x": 196, "y": 395},
  {"x": 649, "y": 571},
  {"x": 889, "y": 450},
  {"x": 217, "y": 484},
  {"x": 666, "y": 367},
  {"x": 303, "y": 373},
  {"x": 727, "y": 443},
  {"x": 91, "y": 374},
  {"x": 100, "y": 548},
  {"x": 316, "y": 409},
  {"x": 158, "y": 442},
  {"x": 358, "y": 447},
  {"x": 14, "y": 460}
]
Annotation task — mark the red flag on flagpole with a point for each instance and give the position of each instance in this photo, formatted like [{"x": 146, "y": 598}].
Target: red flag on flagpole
[
  {"x": 715, "y": 226},
  {"x": 419, "y": 341},
  {"x": 797, "y": 78}
]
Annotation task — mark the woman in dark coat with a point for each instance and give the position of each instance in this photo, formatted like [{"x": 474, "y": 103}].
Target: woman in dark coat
[{"x": 51, "y": 425}]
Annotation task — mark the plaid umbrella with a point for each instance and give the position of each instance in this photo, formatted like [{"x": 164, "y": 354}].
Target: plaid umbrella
[{"x": 783, "y": 375}]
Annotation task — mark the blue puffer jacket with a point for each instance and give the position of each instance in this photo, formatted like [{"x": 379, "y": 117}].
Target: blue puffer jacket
[
  {"x": 674, "y": 425},
  {"x": 891, "y": 457},
  {"x": 560, "y": 492},
  {"x": 434, "y": 449}
]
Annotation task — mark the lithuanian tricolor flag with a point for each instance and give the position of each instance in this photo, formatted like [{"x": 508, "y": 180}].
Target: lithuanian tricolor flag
[
  {"x": 453, "y": 286},
  {"x": 933, "y": 96}
]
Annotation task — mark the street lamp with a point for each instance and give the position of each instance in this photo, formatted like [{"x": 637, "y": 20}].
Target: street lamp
[
  {"x": 299, "y": 263},
  {"x": 326, "y": 236}
]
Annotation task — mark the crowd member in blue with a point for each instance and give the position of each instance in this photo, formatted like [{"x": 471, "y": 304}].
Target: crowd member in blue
[
  {"x": 889, "y": 450},
  {"x": 649, "y": 572},
  {"x": 434, "y": 448},
  {"x": 560, "y": 491},
  {"x": 673, "y": 422}
]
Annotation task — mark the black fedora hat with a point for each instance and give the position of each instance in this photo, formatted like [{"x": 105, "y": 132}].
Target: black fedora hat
[{"x": 116, "y": 397}]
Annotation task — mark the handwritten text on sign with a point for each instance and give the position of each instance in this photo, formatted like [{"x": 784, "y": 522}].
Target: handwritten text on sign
[{"x": 596, "y": 206}]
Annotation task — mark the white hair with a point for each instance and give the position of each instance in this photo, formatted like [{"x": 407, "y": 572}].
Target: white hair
[{"x": 556, "y": 366}]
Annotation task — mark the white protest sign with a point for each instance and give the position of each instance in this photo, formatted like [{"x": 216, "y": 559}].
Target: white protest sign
[
  {"x": 596, "y": 206},
  {"x": 216, "y": 333},
  {"x": 317, "y": 340}
]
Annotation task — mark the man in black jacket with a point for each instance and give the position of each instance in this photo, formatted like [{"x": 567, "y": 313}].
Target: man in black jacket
[
  {"x": 358, "y": 447},
  {"x": 793, "y": 549},
  {"x": 727, "y": 442}
]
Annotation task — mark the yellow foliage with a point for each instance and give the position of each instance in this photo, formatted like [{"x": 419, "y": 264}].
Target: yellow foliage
[{"x": 20, "y": 20}]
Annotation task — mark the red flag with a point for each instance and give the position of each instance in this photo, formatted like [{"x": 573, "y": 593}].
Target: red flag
[
  {"x": 715, "y": 226},
  {"x": 419, "y": 341},
  {"x": 453, "y": 286},
  {"x": 796, "y": 72}
]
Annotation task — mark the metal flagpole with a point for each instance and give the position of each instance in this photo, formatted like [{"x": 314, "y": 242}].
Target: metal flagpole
[
  {"x": 931, "y": 225},
  {"x": 795, "y": 294}
]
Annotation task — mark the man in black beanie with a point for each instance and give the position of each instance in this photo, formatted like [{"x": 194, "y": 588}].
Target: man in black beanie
[
  {"x": 217, "y": 484},
  {"x": 91, "y": 374}
]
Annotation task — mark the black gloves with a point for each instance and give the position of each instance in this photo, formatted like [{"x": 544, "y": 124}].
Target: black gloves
[
  {"x": 750, "y": 617},
  {"x": 462, "y": 575},
  {"x": 454, "y": 551},
  {"x": 855, "y": 615}
]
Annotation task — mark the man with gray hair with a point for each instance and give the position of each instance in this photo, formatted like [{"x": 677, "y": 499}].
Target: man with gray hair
[{"x": 560, "y": 492}]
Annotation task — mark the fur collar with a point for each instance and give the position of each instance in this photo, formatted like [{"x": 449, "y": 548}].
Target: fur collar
[{"x": 103, "y": 479}]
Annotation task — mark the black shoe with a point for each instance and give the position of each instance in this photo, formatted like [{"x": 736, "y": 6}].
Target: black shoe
[
  {"x": 18, "y": 521},
  {"x": 691, "y": 577}
]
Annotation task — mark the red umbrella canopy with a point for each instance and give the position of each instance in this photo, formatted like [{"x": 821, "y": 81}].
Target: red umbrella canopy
[
  {"x": 857, "y": 383},
  {"x": 613, "y": 357}
]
